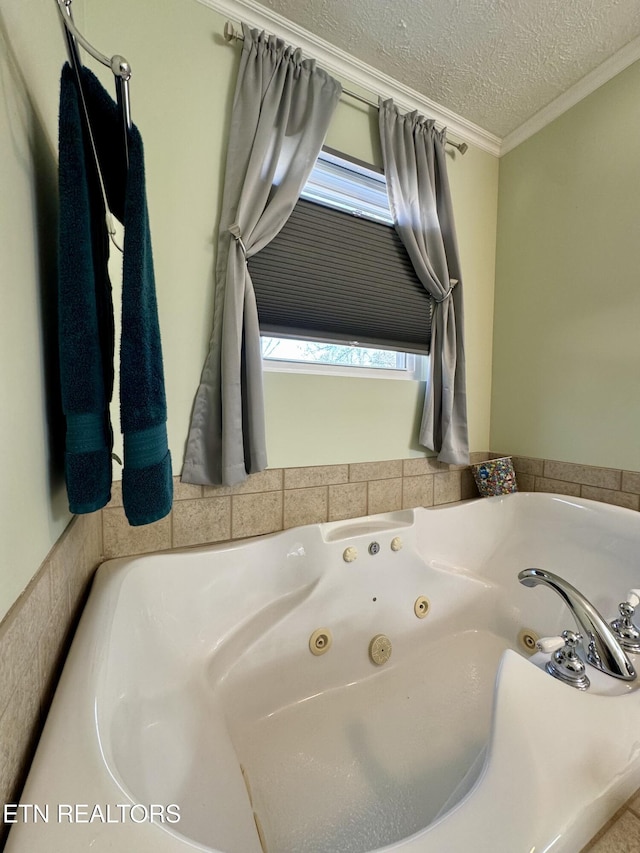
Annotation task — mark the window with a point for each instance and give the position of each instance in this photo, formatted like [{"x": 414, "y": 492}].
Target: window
[
  {"x": 336, "y": 287},
  {"x": 305, "y": 356}
]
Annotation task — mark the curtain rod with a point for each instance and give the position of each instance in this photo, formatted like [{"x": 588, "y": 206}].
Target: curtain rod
[{"x": 231, "y": 34}]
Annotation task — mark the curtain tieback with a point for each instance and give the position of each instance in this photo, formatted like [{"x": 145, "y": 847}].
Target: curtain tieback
[
  {"x": 452, "y": 284},
  {"x": 235, "y": 232}
]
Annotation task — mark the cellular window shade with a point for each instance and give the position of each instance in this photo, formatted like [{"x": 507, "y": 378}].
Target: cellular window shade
[{"x": 333, "y": 276}]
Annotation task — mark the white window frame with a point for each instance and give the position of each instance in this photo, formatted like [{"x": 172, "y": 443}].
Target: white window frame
[{"x": 415, "y": 369}]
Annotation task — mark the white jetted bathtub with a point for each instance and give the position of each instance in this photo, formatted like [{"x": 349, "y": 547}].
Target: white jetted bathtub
[{"x": 192, "y": 713}]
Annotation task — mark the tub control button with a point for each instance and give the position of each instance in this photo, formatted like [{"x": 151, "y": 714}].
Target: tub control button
[
  {"x": 380, "y": 649},
  {"x": 374, "y": 548},
  {"x": 528, "y": 640}
]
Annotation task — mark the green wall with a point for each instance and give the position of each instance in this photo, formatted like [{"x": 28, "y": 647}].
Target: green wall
[
  {"x": 182, "y": 107},
  {"x": 34, "y": 510},
  {"x": 182, "y": 86},
  {"x": 566, "y": 359}
]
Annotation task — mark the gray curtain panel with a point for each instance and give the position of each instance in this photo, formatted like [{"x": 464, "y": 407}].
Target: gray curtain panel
[
  {"x": 281, "y": 112},
  {"x": 416, "y": 172}
]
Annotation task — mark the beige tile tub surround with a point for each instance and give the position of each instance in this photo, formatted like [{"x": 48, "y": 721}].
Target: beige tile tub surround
[
  {"x": 201, "y": 519},
  {"x": 608, "y": 485},
  {"x": 347, "y": 499},
  {"x": 280, "y": 498},
  {"x": 621, "y": 834},
  {"x": 34, "y": 638}
]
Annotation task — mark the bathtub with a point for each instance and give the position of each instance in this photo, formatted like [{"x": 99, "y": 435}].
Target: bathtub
[{"x": 240, "y": 699}]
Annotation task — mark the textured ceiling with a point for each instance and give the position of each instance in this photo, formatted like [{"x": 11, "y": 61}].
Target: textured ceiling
[{"x": 495, "y": 62}]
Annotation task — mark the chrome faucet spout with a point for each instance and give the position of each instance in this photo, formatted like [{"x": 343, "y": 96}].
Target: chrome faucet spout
[{"x": 603, "y": 651}]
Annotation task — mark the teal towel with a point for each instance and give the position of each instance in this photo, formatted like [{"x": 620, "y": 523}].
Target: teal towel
[{"x": 86, "y": 314}]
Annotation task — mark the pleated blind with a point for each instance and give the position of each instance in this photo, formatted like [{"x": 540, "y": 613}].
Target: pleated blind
[{"x": 333, "y": 276}]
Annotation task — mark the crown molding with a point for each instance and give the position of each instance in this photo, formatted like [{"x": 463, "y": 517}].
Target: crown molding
[
  {"x": 343, "y": 65},
  {"x": 620, "y": 60},
  {"x": 375, "y": 82}
]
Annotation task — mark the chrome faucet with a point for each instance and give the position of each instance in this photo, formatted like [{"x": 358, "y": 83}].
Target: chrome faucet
[{"x": 603, "y": 651}]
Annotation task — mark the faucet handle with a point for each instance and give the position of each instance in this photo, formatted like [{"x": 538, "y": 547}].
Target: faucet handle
[
  {"x": 571, "y": 640},
  {"x": 633, "y": 597},
  {"x": 624, "y": 629},
  {"x": 627, "y": 610},
  {"x": 565, "y": 663},
  {"x": 547, "y": 645}
]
